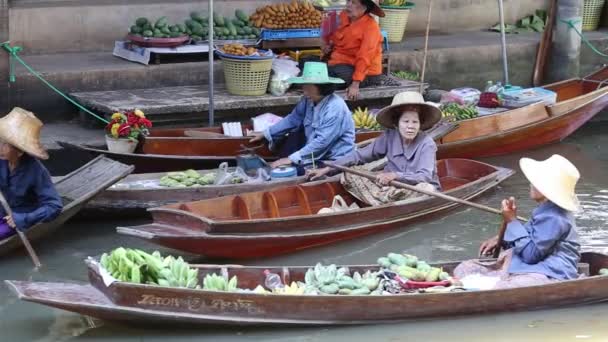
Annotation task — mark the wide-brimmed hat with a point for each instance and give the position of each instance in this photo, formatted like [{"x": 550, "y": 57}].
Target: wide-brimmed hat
[
  {"x": 315, "y": 73},
  {"x": 376, "y": 10},
  {"x": 555, "y": 178},
  {"x": 21, "y": 129},
  {"x": 429, "y": 113}
]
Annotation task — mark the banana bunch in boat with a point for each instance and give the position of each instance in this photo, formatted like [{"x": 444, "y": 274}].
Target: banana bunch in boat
[
  {"x": 213, "y": 282},
  {"x": 293, "y": 289},
  {"x": 333, "y": 280},
  {"x": 188, "y": 178},
  {"x": 455, "y": 112},
  {"x": 409, "y": 267},
  {"x": 137, "y": 266},
  {"x": 364, "y": 120}
]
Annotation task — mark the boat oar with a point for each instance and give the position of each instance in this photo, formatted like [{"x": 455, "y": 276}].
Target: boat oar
[
  {"x": 22, "y": 236},
  {"x": 501, "y": 236},
  {"x": 441, "y": 195}
]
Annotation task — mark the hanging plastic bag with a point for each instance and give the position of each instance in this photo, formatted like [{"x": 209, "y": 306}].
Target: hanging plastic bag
[
  {"x": 282, "y": 70},
  {"x": 261, "y": 177},
  {"x": 223, "y": 175}
]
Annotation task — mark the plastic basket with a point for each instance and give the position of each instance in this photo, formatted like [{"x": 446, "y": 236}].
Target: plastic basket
[
  {"x": 394, "y": 22},
  {"x": 592, "y": 11},
  {"x": 246, "y": 77},
  {"x": 290, "y": 34}
]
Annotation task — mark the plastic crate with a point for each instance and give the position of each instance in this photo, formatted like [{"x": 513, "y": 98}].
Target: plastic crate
[{"x": 290, "y": 34}]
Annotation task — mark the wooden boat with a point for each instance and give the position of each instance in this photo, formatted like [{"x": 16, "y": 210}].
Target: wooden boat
[
  {"x": 75, "y": 189},
  {"x": 578, "y": 100},
  {"x": 285, "y": 219},
  {"x": 148, "y": 304}
]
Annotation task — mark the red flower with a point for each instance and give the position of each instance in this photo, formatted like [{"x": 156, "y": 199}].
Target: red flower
[
  {"x": 147, "y": 123},
  {"x": 132, "y": 119},
  {"x": 124, "y": 130}
]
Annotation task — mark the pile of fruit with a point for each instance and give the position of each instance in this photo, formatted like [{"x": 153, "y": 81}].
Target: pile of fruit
[
  {"x": 294, "y": 15},
  {"x": 333, "y": 280},
  {"x": 159, "y": 29},
  {"x": 188, "y": 178},
  {"x": 239, "y": 50},
  {"x": 409, "y": 267},
  {"x": 395, "y": 3},
  {"x": 454, "y": 111},
  {"x": 364, "y": 120},
  {"x": 136, "y": 266},
  {"x": 224, "y": 28},
  {"x": 213, "y": 282},
  {"x": 407, "y": 75},
  {"x": 329, "y": 3}
]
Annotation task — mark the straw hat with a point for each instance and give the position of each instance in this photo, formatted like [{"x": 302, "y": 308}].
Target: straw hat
[
  {"x": 21, "y": 129},
  {"x": 315, "y": 73},
  {"x": 429, "y": 113},
  {"x": 555, "y": 178}
]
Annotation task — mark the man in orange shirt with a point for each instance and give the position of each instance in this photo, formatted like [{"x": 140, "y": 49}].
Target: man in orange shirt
[{"x": 355, "y": 49}]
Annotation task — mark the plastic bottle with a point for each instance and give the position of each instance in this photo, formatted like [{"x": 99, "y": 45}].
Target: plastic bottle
[
  {"x": 489, "y": 86},
  {"x": 272, "y": 281}
]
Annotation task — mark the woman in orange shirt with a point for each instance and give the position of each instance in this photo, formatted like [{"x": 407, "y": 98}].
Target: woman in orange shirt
[{"x": 355, "y": 49}]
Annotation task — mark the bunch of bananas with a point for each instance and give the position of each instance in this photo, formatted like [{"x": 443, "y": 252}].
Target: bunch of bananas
[
  {"x": 394, "y": 2},
  {"x": 213, "y": 282},
  {"x": 137, "y": 266},
  {"x": 454, "y": 111},
  {"x": 407, "y": 75},
  {"x": 293, "y": 289},
  {"x": 365, "y": 120}
]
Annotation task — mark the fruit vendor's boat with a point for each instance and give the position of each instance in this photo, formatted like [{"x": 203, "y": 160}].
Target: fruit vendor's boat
[
  {"x": 578, "y": 100},
  {"x": 130, "y": 303},
  {"x": 75, "y": 189},
  {"x": 285, "y": 219},
  {"x": 172, "y": 150}
]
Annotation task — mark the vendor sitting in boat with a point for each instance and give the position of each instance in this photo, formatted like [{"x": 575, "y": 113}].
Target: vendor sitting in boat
[
  {"x": 24, "y": 181},
  {"x": 546, "y": 248},
  {"x": 319, "y": 127},
  {"x": 410, "y": 153},
  {"x": 354, "y": 51}
]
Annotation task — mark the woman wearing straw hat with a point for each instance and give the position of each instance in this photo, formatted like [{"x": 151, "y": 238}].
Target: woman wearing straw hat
[
  {"x": 24, "y": 181},
  {"x": 545, "y": 249},
  {"x": 320, "y": 127},
  {"x": 410, "y": 153}
]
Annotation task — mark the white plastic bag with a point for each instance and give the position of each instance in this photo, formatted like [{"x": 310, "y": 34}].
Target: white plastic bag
[
  {"x": 338, "y": 205},
  {"x": 224, "y": 176},
  {"x": 261, "y": 177},
  {"x": 282, "y": 70}
]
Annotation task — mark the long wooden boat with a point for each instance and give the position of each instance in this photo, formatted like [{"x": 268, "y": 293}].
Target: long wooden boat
[
  {"x": 126, "y": 302},
  {"x": 285, "y": 219},
  {"x": 75, "y": 189}
]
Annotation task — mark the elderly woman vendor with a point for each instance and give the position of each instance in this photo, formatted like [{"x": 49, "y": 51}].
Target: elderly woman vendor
[
  {"x": 321, "y": 118},
  {"x": 546, "y": 248},
  {"x": 24, "y": 181},
  {"x": 354, "y": 50},
  {"x": 410, "y": 153}
]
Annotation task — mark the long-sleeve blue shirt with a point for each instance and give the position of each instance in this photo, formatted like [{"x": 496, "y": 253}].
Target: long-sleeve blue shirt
[
  {"x": 29, "y": 192},
  {"x": 328, "y": 126},
  {"x": 547, "y": 244}
]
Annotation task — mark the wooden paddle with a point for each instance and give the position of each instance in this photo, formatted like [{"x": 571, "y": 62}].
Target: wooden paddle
[
  {"x": 441, "y": 195},
  {"x": 501, "y": 236},
  {"x": 22, "y": 236},
  {"x": 543, "y": 47},
  {"x": 203, "y": 134}
]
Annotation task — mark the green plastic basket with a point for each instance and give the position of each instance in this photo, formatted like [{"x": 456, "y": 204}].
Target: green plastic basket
[
  {"x": 592, "y": 12},
  {"x": 395, "y": 21},
  {"x": 247, "y": 77}
]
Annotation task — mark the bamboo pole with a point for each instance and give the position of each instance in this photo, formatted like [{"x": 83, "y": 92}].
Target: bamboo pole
[
  {"x": 22, "y": 236},
  {"x": 426, "y": 45},
  {"x": 211, "y": 52}
]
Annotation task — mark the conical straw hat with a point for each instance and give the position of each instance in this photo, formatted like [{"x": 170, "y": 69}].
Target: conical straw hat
[
  {"x": 21, "y": 129},
  {"x": 429, "y": 114},
  {"x": 555, "y": 178}
]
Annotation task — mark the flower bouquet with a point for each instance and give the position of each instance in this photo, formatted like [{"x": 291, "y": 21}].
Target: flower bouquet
[{"x": 124, "y": 130}]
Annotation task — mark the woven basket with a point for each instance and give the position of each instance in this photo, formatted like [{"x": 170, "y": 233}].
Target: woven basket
[
  {"x": 394, "y": 22},
  {"x": 247, "y": 77},
  {"x": 592, "y": 11}
]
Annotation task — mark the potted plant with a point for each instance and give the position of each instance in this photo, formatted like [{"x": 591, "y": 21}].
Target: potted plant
[{"x": 124, "y": 130}]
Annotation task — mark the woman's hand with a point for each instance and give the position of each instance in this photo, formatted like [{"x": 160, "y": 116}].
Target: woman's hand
[
  {"x": 488, "y": 246},
  {"x": 280, "y": 162},
  {"x": 315, "y": 174},
  {"x": 9, "y": 220},
  {"x": 326, "y": 48},
  {"x": 256, "y": 137},
  {"x": 385, "y": 178},
  {"x": 509, "y": 209},
  {"x": 352, "y": 92}
]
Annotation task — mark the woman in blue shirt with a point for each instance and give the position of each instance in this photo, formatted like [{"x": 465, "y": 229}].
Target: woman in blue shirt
[
  {"x": 546, "y": 248},
  {"x": 24, "y": 181},
  {"x": 321, "y": 115}
]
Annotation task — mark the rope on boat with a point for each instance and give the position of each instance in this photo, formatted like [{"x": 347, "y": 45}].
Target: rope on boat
[
  {"x": 13, "y": 52},
  {"x": 571, "y": 24}
]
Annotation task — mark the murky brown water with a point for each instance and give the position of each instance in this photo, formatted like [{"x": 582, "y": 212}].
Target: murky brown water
[{"x": 454, "y": 236}]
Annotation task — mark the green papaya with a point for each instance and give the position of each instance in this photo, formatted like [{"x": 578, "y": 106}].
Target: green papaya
[
  {"x": 205, "y": 24},
  {"x": 161, "y": 22},
  {"x": 384, "y": 262},
  {"x": 231, "y": 37},
  {"x": 241, "y": 15},
  {"x": 205, "y": 32},
  {"x": 159, "y": 35},
  {"x": 157, "y": 32},
  {"x": 218, "y": 19},
  {"x": 251, "y": 36},
  {"x": 433, "y": 274},
  {"x": 198, "y": 16},
  {"x": 397, "y": 259},
  {"x": 175, "y": 34},
  {"x": 195, "y": 37},
  {"x": 240, "y": 31},
  {"x": 148, "y": 26},
  {"x": 237, "y": 22},
  {"x": 237, "y": 37},
  {"x": 188, "y": 31},
  {"x": 345, "y": 291},
  {"x": 346, "y": 283},
  {"x": 330, "y": 288},
  {"x": 232, "y": 28},
  {"x": 174, "y": 28},
  {"x": 361, "y": 291},
  {"x": 256, "y": 31},
  {"x": 444, "y": 276},
  {"x": 148, "y": 33},
  {"x": 225, "y": 30},
  {"x": 245, "y": 23},
  {"x": 181, "y": 27},
  {"x": 247, "y": 30},
  {"x": 165, "y": 30},
  {"x": 141, "y": 22},
  {"x": 136, "y": 29}
]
